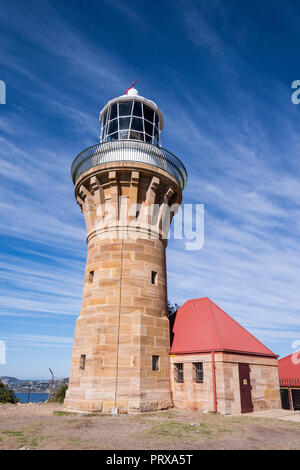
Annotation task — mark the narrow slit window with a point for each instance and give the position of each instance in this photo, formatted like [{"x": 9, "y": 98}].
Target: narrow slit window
[
  {"x": 155, "y": 363},
  {"x": 82, "y": 361},
  {"x": 153, "y": 277},
  {"x": 178, "y": 373},
  {"x": 91, "y": 277},
  {"x": 198, "y": 372}
]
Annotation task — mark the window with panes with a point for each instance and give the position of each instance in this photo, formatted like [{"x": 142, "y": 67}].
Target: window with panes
[{"x": 178, "y": 372}]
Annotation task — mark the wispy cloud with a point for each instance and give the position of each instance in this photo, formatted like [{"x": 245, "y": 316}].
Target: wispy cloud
[
  {"x": 227, "y": 116},
  {"x": 38, "y": 340}
]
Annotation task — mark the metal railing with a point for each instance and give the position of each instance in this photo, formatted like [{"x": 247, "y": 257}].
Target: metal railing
[{"x": 132, "y": 151}]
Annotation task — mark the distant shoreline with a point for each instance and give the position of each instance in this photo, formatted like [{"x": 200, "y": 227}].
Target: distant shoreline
[{"x": 35, "y": 386}]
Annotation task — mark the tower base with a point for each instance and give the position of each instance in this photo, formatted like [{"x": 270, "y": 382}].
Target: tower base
[{"x": 123, "y": 406}]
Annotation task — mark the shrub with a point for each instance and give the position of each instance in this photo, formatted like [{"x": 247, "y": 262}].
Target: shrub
[
  {"x": 7, "y": 395},
  {"x": 60, "y": 393}
]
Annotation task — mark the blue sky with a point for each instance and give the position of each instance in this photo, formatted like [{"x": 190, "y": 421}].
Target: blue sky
[{"x": 221, "y": 72}]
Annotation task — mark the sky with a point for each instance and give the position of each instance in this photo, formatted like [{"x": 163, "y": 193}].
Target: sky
[{"x": 221, "y": 72}]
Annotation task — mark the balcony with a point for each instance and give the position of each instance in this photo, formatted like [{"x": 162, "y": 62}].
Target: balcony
[{"x": 129, "y": 151}]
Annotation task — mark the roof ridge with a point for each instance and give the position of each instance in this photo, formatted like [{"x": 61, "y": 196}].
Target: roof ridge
[{"x": 213, "y": 323}]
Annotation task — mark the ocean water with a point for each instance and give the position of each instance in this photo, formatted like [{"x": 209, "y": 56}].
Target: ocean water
[{"x": 34, "y": 397}]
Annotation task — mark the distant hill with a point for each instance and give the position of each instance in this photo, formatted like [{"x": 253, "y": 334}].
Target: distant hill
[
  {"x": 6, "y": 378},
  {"x": 36, "y": 386}
]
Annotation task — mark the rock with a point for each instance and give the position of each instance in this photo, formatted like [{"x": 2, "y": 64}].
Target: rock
[{"x": 148, "y": 406}]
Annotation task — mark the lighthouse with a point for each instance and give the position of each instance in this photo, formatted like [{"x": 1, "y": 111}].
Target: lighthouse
[{"x": 128, "y": 187}]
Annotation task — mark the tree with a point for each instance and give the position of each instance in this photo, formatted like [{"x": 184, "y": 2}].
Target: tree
[
  {"x": 60, "y": 393},
  {"x": 172, "y": 308},
  {"x": 6, "y": 394}
]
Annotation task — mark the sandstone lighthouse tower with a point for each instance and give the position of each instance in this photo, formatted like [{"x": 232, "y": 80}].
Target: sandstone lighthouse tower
[{"x": 125, "y": 186}]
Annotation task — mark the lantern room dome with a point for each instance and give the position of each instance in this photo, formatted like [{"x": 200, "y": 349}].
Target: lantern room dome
[{"x": 132, "y": 92}]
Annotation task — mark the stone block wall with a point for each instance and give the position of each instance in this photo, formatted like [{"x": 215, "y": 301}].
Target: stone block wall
[
  {"x": 190, "y": 395},
  {"x": 123, "y": 320}
]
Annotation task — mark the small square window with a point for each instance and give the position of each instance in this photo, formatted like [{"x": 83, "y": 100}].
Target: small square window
[
  {"x": 198, "y": 372},
  {"x": 178, "y": 373},
  {"x": 91, "y": 277},
  {"x": 155, "y": 363},
  {"x": 82, "y": 361},
  {"x": 153, "y": 277}
]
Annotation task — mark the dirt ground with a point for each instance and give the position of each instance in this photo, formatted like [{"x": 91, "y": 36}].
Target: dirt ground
[{"x": 47, "y": 426}]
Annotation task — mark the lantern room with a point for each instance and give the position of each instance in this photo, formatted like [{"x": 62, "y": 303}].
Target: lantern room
[{"x": 131, "y": 117}]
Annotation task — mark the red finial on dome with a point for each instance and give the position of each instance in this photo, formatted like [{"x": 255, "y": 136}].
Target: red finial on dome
[{"x": 132, "y": 85}]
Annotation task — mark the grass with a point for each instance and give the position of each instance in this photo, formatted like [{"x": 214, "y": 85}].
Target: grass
[
  {"x": 170, "y": 429},
  {"x": 79, "y": 423},
  {"x": 29, "y": 436},
  {"x": 179, "y": 430},
  {"x": 13, "y": 433},
  {"x": 21, "y": 439},
  {"x": 62, "y": 413}
]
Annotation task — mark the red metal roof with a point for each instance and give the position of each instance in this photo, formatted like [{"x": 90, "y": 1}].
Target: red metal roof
[
  {"x": 201, "y": 326},
  {"x": 288, "y": 367}
]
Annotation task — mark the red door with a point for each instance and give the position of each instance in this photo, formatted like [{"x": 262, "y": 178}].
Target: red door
[{"x": 245, "y": 388}]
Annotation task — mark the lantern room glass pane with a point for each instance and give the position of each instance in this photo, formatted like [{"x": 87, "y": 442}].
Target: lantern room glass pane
[
  {"x": 148, "y": 138},
  {"x": 148, "y": 113},
  {"x": 137, "y": 124},
  {"x": 137, "y": 109},
  {"x": 125, "y": 108},
  {"x": 124, "y": 123},
  {"x": 156, "y": 120},
  {"x": 112, "y": 137},
  {"x": 136, "y": 135},
  {"x": 113, "y": 126},
  {"x": 113, "y": 112},
  {"x": 123, "y": 135},
  {"x": 104, "y": 119},
  {"x": 148, "y": 128}
]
